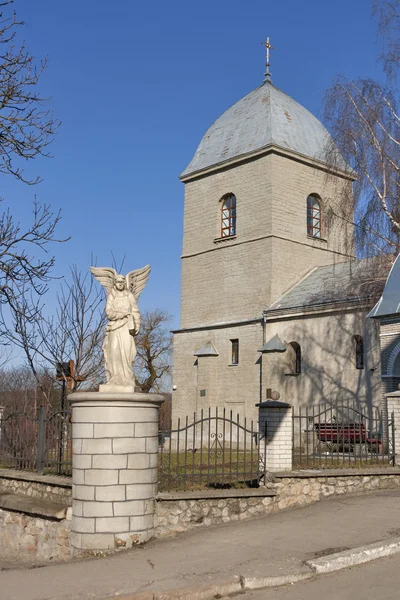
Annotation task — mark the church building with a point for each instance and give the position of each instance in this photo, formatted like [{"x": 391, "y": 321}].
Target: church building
[{"x": 271, "y": 293}]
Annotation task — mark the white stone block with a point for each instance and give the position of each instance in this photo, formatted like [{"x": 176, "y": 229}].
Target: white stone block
[
  {"x": 81, "y": 461},
  {"x": 146, "y": 429},
  {"x": 101, "y": 477},
  {"x": 97, "y": 509},
  {"x": 83, "y": 525},
  {"x": 153, "y": 460},
  {"x": 138, "y": 476},
  {"x": 114, "y": 414},
  {"x": 82, "y": 492},
  {"x": 111, "y": 493},
  {"x": 75, "y": 539},
  {"x": 151, "y": 445},
  {"x": 113, "y": 430},
  {"x": 112, "y": 524},
  {"x": 77, "y": 446},
  {"x": 134, "y": 507},
  {"x": 82, "y": 430},
  {"x": 129, "y": 445},
  {"x": 96, "y": 446},
  {"x": 139, "y": 461},
  {"x": 109, "y": 461},
  {"x": 149, "y": 507},
  {"x": 78, "y": 476},
  {"x": 138, "y": 492},
  {"x": 97, "y": 541},
  {"x": 77, "y": 508},
  {"x": 142, "y": 523}
]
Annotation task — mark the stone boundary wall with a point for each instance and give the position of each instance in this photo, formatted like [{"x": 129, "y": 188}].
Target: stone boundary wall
[
  {"x": 26, "y": 537},
  {"x": 33, "y": 537},
  {"x": 52, "y": 488},
  {"x": 179, "y": 513}
]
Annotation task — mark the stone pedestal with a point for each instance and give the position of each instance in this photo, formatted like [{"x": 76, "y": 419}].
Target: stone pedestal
[
  {"x": 275, "y": 428},
  {"x": 114, "y": 469}
]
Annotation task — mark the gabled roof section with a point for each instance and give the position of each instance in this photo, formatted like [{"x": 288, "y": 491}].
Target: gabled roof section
[
  {"x": 389, "y": 302},
  {"x": 275, "y": 344},
  {"x": 264, "y": 118},
  {"x": 207, "y": 350},
  {"x": 347, "y": 282}
]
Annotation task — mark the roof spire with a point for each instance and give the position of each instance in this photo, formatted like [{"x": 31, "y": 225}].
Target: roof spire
[{"x": 267, "y": 74}]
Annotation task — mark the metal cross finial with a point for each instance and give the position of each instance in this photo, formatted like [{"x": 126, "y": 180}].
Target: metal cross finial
[{"x": 268, "y": 47}]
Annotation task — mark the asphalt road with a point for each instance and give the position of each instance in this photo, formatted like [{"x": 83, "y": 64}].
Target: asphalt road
[{"x": 379, "y": 580}]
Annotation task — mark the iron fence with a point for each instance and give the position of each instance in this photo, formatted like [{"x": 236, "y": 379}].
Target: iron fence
[
  {"x": 341, "y": 436},
  {"x": 39, "y": 442},
  {"x": 213, "y": 450},
  {"x": 18, "y": 441}
]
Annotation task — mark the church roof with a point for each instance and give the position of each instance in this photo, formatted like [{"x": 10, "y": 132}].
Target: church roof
[
  {"x": 265, "y": 117},
  {"x": 347, "y": 282},
  {"x": 389, "y": 302}
]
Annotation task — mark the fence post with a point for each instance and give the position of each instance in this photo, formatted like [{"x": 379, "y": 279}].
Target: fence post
[
  {"x": 275, "y": 419},
  {"x": 393, "y": 425},
  {"x": 41, "y": 440},
  {"x": 1, "y": 420}
]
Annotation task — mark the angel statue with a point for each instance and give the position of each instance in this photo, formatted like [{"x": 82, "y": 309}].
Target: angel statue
[{"x": 124, "y": 321}]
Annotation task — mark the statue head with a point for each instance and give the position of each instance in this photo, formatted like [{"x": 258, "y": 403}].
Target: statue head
[{"x": 119, "y": 283}]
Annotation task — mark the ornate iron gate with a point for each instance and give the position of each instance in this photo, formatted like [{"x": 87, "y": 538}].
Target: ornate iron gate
[{"x": 212, "y": 450}]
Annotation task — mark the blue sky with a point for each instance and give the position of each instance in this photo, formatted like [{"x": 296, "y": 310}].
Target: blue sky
[{"x": 136, "y": 86}]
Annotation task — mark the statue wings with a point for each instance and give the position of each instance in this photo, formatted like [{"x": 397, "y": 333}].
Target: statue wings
[
  {"x": 105, "y": 276},
  {"x": 136, "y": 280}
]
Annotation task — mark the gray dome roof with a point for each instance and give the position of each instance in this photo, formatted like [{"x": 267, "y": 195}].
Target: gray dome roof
[{"x": 267, "y": 116}]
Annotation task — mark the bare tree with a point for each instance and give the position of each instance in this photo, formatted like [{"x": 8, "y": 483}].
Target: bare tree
[
  {"x": 153, "y": 363},
  {"x": 387, "y": 15},
  {"x": 20, "y": 265},
  {"x": 364, "y": 119},
  {"x": 75, "y": 332},
  {"x": 26, "y": 128}
]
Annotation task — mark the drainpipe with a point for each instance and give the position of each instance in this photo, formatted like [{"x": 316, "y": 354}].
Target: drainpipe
[
  {"x": 264, "y": 338},
  {"x": 264, "y": 327}
]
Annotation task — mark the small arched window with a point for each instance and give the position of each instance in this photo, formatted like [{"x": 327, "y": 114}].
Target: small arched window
[
  {"x": 359, "y": 351},
  {"x": 296, "y": 365},
  {"x": 313, "y": 216},
  {"x": 228, "y": 216}
]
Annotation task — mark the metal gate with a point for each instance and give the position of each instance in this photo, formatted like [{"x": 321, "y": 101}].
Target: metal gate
[{"x": 212, "y": 450}]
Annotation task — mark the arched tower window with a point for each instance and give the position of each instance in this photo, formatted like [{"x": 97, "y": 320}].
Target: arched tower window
[
  {"x": 359, "y": 351},
  {"x": 296, "y": 365},
  {"x": 314, "y": 216},
  {"x": 228, "y": 216}
]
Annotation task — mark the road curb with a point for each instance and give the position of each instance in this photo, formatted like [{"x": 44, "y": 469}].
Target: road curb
[
  {"x": 354, "y": 557},
  {"x": 228, "y": 588},
  {"x": 258, "y": 583},
  {"x": 240, "y": 584}
]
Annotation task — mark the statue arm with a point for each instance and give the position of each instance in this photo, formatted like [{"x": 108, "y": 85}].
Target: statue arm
[{"x": 112, "y": 314}]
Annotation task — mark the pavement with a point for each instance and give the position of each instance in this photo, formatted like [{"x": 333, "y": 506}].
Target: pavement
[{"x": 285, "y": 547}]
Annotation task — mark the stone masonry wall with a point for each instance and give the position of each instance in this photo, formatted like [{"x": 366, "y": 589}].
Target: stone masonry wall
[
  {"x": 178, "y": 515},
  {"x": 54, "y": 489},
  {"x": 28, "y": 537},
  {"x": 42, "y": 539}
]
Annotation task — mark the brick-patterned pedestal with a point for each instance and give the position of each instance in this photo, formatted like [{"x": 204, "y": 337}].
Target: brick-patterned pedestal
[
  {"x": 393, "y": 408},
  {"x": 275, "y": 427},
  {"x": 114, "y": 475}
]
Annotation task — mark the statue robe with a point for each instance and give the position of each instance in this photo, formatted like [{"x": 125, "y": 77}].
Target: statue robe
[{"x": 119, "y": 344}]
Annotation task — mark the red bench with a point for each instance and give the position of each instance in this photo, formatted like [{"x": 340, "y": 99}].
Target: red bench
[{"x": 344, "y": 433}]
